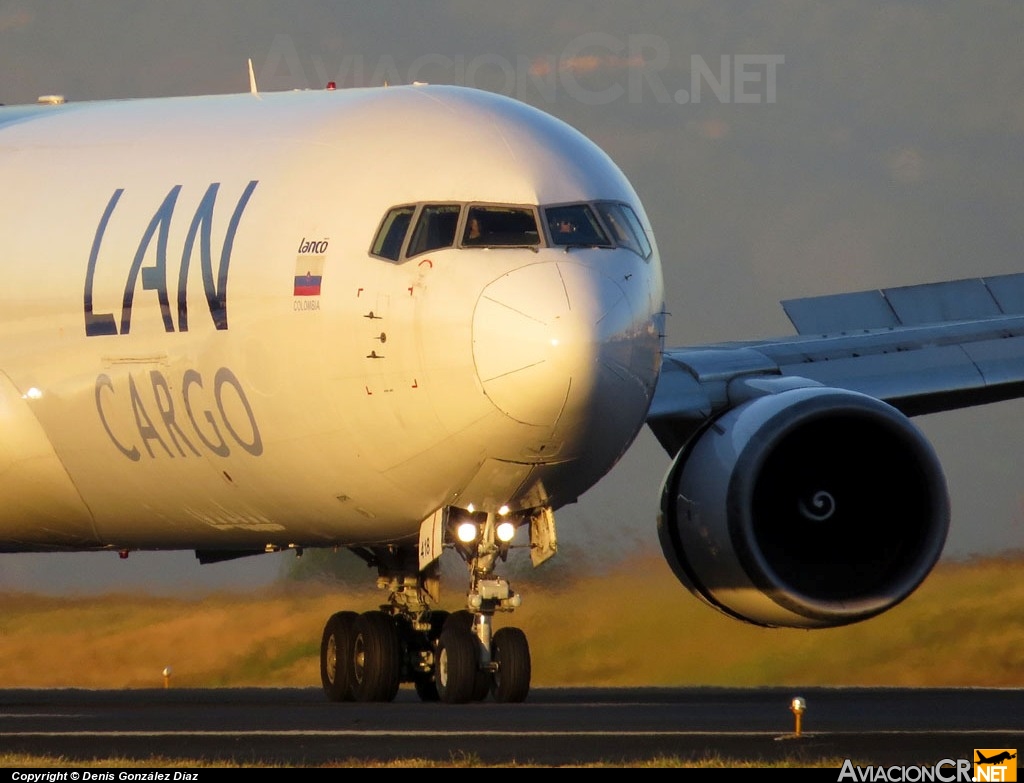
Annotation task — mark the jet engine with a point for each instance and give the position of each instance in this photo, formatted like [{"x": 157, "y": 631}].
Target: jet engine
[{"x": 809, "y": 508}]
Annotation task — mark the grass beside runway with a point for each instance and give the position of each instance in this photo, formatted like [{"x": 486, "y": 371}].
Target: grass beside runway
[
  {"x": 632, "y": 626},
  {"x": 18, "y": 761}
]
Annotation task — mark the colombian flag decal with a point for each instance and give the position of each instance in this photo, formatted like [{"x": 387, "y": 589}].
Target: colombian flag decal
[{"x": 308, "y": 275}]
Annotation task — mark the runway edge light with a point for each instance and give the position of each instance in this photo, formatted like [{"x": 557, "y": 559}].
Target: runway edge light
[{"x": 798, "y": 706}]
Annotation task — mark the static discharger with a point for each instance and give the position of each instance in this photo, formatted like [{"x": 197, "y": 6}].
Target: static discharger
[{"x": 798, "y": 706}]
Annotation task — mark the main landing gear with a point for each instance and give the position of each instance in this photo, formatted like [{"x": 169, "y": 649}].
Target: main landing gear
[{"x": 454, "y": 657}]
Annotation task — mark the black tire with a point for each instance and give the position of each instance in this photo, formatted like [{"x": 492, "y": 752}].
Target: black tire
[
  {"x": 511, "y": 653},
  {"x": 376, "y": 657},
  {"x": 426, "y": 682},
  {"x": 426, "y": 687},
  {"x": 457, "y": 665},
  {"x": 438, "y": 618},
  {"x": 461, "y": 617},
  {"x": 482, "y": 682},
  {"x": 336, "y": 656}
]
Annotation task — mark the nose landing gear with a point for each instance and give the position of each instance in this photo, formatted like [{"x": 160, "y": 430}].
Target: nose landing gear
[
  {"x": 453, "y": 658},
  {"x": 471, "y": 660}
]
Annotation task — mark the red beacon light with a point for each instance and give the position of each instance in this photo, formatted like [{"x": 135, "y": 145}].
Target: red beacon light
[{"x": 332, "y": 85}]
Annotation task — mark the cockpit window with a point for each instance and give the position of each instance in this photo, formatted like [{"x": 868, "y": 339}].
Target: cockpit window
[
  {"x": 500, "y": 226},
  {"x": 391, "y": 234},
  {"x": 435, "y": 228},
  {"x": 575, "y": 225},
  {"x": 410, "y": 230},
  {"x": 625, "y": 227}
]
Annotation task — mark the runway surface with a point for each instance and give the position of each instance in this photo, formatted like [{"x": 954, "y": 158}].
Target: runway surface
[{"x": 554, "y": 727}]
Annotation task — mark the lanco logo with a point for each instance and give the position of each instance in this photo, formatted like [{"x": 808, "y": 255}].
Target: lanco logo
[{"x": 995, "y": 764}]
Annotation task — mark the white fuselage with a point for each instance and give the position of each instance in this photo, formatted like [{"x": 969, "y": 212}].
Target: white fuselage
[{"x": 168, "y": 381}]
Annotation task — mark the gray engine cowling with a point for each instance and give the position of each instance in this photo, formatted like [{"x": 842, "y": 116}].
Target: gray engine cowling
[{"x": 809, "y": 508}]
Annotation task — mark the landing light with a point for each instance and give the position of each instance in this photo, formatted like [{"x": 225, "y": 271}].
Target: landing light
[
  {"x": 503, "y": 511},
  {"x": 467, "y": 532},
  {"x": 506, "y": 532}
]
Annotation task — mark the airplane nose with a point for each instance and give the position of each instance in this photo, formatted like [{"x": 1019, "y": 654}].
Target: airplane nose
[{"x": 549, "y": 342}]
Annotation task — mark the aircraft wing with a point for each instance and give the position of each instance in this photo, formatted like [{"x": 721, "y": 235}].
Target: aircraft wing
[{"x": 922, "y": 349}]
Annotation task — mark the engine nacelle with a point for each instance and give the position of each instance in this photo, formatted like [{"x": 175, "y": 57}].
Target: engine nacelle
[{"x": 809, "y": 508}]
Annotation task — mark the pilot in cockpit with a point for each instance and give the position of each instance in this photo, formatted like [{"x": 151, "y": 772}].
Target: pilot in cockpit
[{"x": 562, "y": 230}]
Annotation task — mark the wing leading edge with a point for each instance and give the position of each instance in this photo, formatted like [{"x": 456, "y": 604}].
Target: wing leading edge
[{"x": 923, "y": 349}]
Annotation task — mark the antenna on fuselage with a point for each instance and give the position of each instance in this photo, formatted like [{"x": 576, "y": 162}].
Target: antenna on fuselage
[{"x": 252, "y": 79}]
